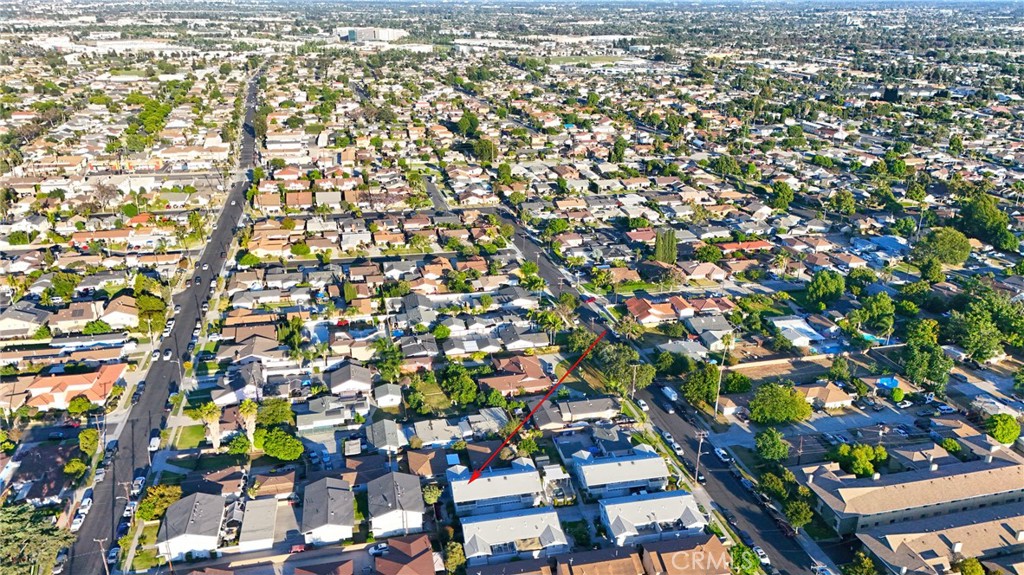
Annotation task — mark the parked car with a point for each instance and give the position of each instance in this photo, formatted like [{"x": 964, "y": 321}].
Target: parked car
[
  {"x": 589, "y": 299},
  {"x": 113, "y": 555},
  {"x": 762, "y": 556},
  {"x": 60, "y": 562},
  {"x": 722, "y": 455},
  {"x": 76, "y": 523},
  {"x": 643, "y": 405},
  {"x": 378, "y": 550},
  {"x": 129, "y": 509},
  {"x": 168, "y": 354},
  {"x": 137, "y": 486},
  {"x": 101, "y": 474},
  {"x": 677, "y": 449}
]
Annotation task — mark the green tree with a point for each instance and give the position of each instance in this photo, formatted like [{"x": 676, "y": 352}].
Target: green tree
[
  {"x": 75, "y": 468},
  {"x": 826, "y": 286},
  {"x": 771, "y": 446},
  {"x": 96, "y": 327},
  {"x": 665, "y": 246},
  {"x": 431, "y": 494},
  {"x": 88, "y": 441},
  {"x": 708, "y": 253},
  {"x": 970, "y": 566},
  {"x": 1003, "y": 427},
  {"x": 275, "y": 411},
  {"x": 158, "y": 498},
  {"x": 976, "y": 332},
  {"x": 736, "y": 382},
  {"x": 240, "y": 444},
  {"x": 927, "y": 365},
  {"x": 861, "y": 565},
  {"x": 839, "y": 370},
  {"x": 775, "y": 403},
  {"x": 79, "y": 405},
  {"x": 897, "y": 394},
  {"x": 947, "y": 245},
  {"x": 743, "y": 560},
  {"x": 282, "y": 445},
  {"x": 951, "y": 445},
  {"x": 485, "y": 150},
  {"x": 458, "y": 385},
  {"x": 980, "y": 217},
  {"x": 454, "y": 557},
  {"x": 29, "y": 541},
  {"x": 843, "y": 202},
  {"x": 442, "y": 332},
  {"x": 798, "y": 513},
  {"x": 246, "y": 259},
  {"x": 248, "y": 413},
  {"x": 782, "y": 195},
  {"x": 209, "y": 414}
]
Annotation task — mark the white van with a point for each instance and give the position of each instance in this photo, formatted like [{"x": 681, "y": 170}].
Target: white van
[{"x": 154, "y": 444}]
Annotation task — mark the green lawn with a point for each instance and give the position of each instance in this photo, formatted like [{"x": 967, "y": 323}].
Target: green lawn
[
  {"x": 435, "y": 398},
  {"x": 191, "y": 436},
  {"x": 198, "y": 397},
  {"x": 145, "y": 555},
  {"x": 216, "y": 462}
]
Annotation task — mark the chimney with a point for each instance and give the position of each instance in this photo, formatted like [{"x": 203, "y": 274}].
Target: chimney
[
  {"x": 810, "y": 478},
  {"x": 988, "y": 458},
  {"x": 934, "y": 467},
  {"x": 1020, "y": 535},
  {"x": 876, "y": 476},
  {"x": 958, "y": 547}
]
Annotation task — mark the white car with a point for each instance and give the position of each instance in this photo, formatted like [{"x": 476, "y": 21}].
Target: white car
[
  {"x": 129, "y": 509},
  {"x": 167, "y": 354},
  {"x": 379, "y": 550},
  {"x": 643, "y": 405},
  {"x": 722, "y": 455},
  {"x": 233, "y": 202},
  {"x": 177, "y": 309},
  {"x": 668, "y": 437},
  {"x": 76, "y": 523},
  {"x": 85, "y": 506},
  {"x": 155, "y": 355},
  {"x": 206, "y": 266},
  {"x": 101, "y": 474},
  {"x": 678, "y": 449},
  {"x": 762, "y": 556}
]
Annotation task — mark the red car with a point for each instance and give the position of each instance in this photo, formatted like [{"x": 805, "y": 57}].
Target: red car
[{"x": 589, "y": 299}]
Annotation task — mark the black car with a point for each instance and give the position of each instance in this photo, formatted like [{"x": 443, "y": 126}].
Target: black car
[
  {"x": 745, "y": 538},
  {"x": 136, "y": 397},
  {"x": 199, "y": 281},
  {"x": 122, "y": 529}
]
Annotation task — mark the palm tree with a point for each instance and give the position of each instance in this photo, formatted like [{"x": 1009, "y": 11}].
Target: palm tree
[
  {"x": 630, "y": 328},
  {"x": 209, "y": 413},
  {"x": 247, "y": 411},
  {"x": 781, "y": 261}
]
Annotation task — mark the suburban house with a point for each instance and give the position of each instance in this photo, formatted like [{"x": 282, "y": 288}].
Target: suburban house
[
  {"x": 191, "y": 527},
  {"x": 613, "y": 561},
  {"x": 619, "y": 475},
  {"x": 694, "y": 555},
  {"x": 826, "y": 395},
  {"x": 385, "y": 436},
  {"x": 496, "y": 490},
  {"x": 328, "y": 511},
  {"x": 651, "y": 517},
  {"x": 395, "y": 505},
  {"x": 55, "y": 391},
  {"x": 517, "y": 374},
  {"x": 410, "y": 555},
  {"x": 529, "y": 533},
  {"x": 350, "y": 379}
]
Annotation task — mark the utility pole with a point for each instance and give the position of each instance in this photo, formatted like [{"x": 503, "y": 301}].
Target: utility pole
[
  {"x": 103, "y": 554},
  {"x": 701, "y": 436},
  {"x": 800, "y": 450},
  {"x": 632, "y": 390}
]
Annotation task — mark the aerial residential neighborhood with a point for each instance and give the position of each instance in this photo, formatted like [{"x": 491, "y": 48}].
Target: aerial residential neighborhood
[{"x": 539, "y": 288}]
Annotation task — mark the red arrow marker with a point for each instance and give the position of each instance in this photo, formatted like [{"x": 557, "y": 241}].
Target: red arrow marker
[{"x": 476, "y": 474}]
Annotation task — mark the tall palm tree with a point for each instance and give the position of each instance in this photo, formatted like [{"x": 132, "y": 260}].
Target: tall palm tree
[
  {"x": 630, "y": 328},
  {"x": 780, "y": 261},
  {"x": 209, "y": 413},
  {"x": 247, "y": 411}
]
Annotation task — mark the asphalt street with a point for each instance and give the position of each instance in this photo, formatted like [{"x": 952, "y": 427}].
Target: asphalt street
[
  {"x": 785, "y": 552},
  {"x": 98, "y": 531}
]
